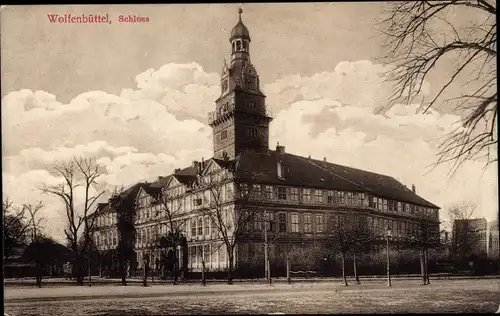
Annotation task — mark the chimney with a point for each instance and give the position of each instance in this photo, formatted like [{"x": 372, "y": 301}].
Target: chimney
[
  {"x": 309, "y": 157},
  {"x": 280, "y": 149},
  {"x": 160, "y": 178},
  {"x": 177, "y": 170},
  {"x": 202, "y": 163},
  {"x": 196, "y": 164},
  {"x": 413, "y": 188},
  {"x": 324, "y": 159}
]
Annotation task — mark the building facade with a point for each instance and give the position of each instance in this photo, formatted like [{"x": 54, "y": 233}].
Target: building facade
[
  {"x": 293, "y": 200},
  {"x": 470, "y": 237},
  {"x": 493, "y": 240}
]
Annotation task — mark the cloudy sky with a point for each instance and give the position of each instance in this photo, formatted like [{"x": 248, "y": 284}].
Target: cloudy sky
[{"x": 135, "y": 96}]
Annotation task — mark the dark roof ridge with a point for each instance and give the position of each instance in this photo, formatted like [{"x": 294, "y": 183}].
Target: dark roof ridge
[
  {"x": 343, "y": 166},
  {"x": 311, "y": 161}
]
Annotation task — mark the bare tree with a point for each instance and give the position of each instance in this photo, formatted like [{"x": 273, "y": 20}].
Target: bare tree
[
  {"x": 230, "y": 210},
  {"x": 420, "y": 35},
  {"x": 21, "y": 225},
  {"x": 171, "y": 209},
  {"x": 425, "y": 236},
  {"x": 339, "y": 237},
  {"x": 360, "y": 239},
  {"x": 78, "y": 172},
  {"x": 125, "y": 208}
]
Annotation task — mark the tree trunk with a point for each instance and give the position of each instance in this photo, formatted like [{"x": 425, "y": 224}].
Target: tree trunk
[
  {"x": 79, "y": 269},
  {"x": 343, "y": 269},
  {"x": 203, "y": 280},
  {"x": 38, "y": 274},
  {"x": 288, "y": 279},
  {"x": 426, "y": 266},
  {"x": 145, "y": 277},
  {"x": 174, "y": 272},
  {"x": 422, "y": 268},
  {"x": 230, "y": 268},
  {"x": 269, "y": 276},
  {"x": 123, "y": 270},
  {"x": 356, "y": 277}
]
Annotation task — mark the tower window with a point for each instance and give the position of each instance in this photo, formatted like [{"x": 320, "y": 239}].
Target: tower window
[
  {"x": 244, "y": 46},
  {"x": 250, "y": 105},
  {"x": 223, "y": 135},
  {"x": 252, "y": 132},
  {"x": 238, "y": 46}
]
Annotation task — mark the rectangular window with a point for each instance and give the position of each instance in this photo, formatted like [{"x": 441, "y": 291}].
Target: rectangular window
[
  {"x": 207, "y": 225},
  {"x": 271, "y": 222},
  {"x": 318, "y": 196},
  {"x": 257, "y": 221},
  {"x": 320, "y": 223},
  {"x": 193, "y": 227},
  {"x": 269, "y": 192},
  {"x": 199, "y": 254},
  {"x": 295, "y": 222},
  {"x": 256, "y": 191},
  {"x": 400, "y": 209},
  {"x": 281, "y": 193},
  {"x": 306, "y": 195},
  {"x": 252, "y": 132},
  {"x": 206, "y": 253},
  {"x": 307, "y": 223},
  {"x": 250, "y": 104},
  {"x": 375, "y": 226},
  {"x": 350, "y": 200},
  {"x": 192, "y": 255},
  {"x": 244, "y": 189},
  {"x": 222, "y": 256},
  {"x": 331, "y": 197},
  {"x": 385, "y": 205},
  {"x": 294, "y": 194},
  {"x": 200, "y": 226},
  {"x": 282, "y": 222},
  {"x": 369, "y": 221},
  {"x": 364, "y": 197},
  {"x": 223, "y": 134},
  {"x": 340, "y": 197}
]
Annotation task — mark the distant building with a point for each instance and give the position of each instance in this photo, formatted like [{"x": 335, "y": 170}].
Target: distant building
[
  {"x": 470, "y": 237},
  {"x": 299, "y": 197},
  {"x": 493, "y": 244}
]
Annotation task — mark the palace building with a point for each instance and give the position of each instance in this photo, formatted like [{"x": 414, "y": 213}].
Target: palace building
[{"x": 295, "y": 198}]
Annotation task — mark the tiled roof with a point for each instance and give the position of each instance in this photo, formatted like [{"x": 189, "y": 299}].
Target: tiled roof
[
  {"x": 259, "y": 167},
  {"x": 131, "y": 191}
]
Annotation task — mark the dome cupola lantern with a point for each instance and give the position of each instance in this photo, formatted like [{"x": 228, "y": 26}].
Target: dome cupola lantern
[{"x": 240, "y": 39}]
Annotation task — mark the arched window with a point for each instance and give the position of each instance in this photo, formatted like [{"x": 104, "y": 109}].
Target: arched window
[
  {"x": 245, "y": 46},
  {"x": 238, "y": 46},
  {"x": 234, "y": 47}
]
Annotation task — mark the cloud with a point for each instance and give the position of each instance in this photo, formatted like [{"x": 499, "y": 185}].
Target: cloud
[
  {"x": 334, "y": 115},
  {"x": 146, "y": 132}
]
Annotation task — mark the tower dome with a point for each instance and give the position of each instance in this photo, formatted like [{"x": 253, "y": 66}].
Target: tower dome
[{"x": 240, "y": 30}]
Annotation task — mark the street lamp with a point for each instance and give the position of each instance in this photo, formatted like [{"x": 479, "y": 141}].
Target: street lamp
[{"x": 389, "y": 233}]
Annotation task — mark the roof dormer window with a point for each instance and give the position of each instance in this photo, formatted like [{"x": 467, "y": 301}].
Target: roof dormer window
[{"x": 281, "y": 170}]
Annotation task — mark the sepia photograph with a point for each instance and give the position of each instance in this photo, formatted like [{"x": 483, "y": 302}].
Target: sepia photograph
[{"x": 250, "y": 158}]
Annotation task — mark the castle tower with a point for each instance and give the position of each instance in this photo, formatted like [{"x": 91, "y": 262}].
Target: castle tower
[{"x": 240, "y": 121}]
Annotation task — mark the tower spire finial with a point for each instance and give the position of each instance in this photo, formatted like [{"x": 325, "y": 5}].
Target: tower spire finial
[{"x": 240, "y": 11}]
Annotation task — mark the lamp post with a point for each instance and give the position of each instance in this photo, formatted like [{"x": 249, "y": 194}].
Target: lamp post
[
  {"x": 266, "y": 266},
  {"x": 389, "y": 233}
]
